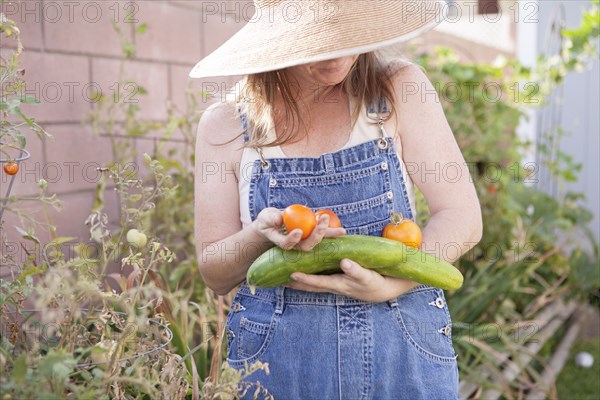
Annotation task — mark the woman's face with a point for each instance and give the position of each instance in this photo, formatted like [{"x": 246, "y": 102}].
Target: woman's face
[{"x": 325, "y": 73}]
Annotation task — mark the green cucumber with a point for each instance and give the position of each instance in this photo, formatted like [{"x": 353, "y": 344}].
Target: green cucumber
[{"x": 388, "y": 257}]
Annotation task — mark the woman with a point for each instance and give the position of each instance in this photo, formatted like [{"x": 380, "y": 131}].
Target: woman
[{"x": 309, "y": 124}]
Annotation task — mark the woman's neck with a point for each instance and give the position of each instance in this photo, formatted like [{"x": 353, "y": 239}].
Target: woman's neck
[
  {"x": 311, "y": 94},
  {"x": 325, "y": 117}
]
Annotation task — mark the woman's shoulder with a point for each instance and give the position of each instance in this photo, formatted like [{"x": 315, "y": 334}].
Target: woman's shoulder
[
  {"x": 401, "y": 69},
  {"x": 409, "y": 82},
  {"x": 415, "y": 99},
  {"x": 395, "y": 66},
  {"x": 219, "y": 136},
  {"x": 220, "y": 123}
]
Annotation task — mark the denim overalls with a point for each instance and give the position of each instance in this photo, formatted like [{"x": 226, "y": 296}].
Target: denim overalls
[{"x": 326, "y": 346}]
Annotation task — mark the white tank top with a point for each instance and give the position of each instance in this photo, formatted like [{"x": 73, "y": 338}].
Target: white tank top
[{"x": 364, "y": 130}]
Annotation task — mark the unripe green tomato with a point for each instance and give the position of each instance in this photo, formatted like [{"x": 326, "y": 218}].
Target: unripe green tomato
[{"x": 136, "y": 238}]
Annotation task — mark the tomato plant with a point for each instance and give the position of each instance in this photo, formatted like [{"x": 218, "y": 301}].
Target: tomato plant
[
  {"x": 301, "y": 217},
  {"x": 334, "y": 221},
  {"x": 11, "y": 168},
  {"x": 403, "y": 230}
]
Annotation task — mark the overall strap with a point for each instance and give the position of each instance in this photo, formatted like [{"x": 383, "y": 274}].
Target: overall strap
[
  {"x": 379, "y": 106},
  {"x": 244, "y": 120},
  {"x": 376, "y": 112},
  {"x": 246, "y": 136}
]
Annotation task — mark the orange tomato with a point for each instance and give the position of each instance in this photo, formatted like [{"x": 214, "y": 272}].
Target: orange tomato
[
  {"x": 301, "y": 217},
  {"x": 11, "y": 168},
  {"x": 334, "y": 221},
  {"x": 403, "y": 230}
]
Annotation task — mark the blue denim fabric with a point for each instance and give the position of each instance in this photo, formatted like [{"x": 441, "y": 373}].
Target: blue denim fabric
[{"x": 327, "y": 346}]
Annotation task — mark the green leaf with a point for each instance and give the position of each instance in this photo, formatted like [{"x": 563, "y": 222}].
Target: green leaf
[
  {"x": 26, "y": 274},
  {"x": 96, "y": 96},
  {"x": 26, "y": 235},
  {"x": 141, "y": 28},
  {"x": 128, "y": 49},
  {"x": 61, "y": 371},
  {"x": 172, "y": 126},
  {"x": 62, "y": 240},
  {"x": 136, "y": 131},
  {"x": 133, "y": 108},
  {"x": 21, "y": 139},
  {"x": 141, "y": 90},
  {"x": 53, "y": 248},
  {"x": 29, "y": 100},
  {"x": 99, "y": 194},
  {"x": 57, "y": 364},
  {"x": 20, "y": 370},
  {"x": 14, "y": 106}
]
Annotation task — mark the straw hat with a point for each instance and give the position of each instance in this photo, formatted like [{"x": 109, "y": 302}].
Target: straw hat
[{"x": 284, "y": 33}]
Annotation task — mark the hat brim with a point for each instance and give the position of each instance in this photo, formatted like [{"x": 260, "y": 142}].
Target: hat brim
[{"x": 266, "y": 43}]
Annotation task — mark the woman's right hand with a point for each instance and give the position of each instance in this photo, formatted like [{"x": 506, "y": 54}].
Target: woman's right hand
[{"x": 269, "y": 225}]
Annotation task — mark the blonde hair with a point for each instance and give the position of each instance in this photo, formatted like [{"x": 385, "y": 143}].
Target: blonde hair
[{"x": 368, "y": 79}]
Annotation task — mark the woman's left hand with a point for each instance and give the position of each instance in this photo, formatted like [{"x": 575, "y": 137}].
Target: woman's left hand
[{"x": 356, "y": 281}]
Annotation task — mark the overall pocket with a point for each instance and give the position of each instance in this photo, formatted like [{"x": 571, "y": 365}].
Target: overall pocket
[
  {"x": 251, "y": 337},
  {"x": 250, "y": 326},
  {"x": 425, "y": 323}
]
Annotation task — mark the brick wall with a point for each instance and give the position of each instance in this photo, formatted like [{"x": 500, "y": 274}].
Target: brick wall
[{"x": 72, "y": 48}]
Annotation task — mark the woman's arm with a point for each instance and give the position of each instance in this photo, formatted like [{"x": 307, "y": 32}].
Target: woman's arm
[
  {"x": 225, "y": 250},
  {"x": 436, "y": 165},
  {"x": 219, "y": 237}
]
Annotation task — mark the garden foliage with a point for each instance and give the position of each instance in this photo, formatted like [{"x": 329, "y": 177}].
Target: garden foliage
[{"x": 109, "y": 304}]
